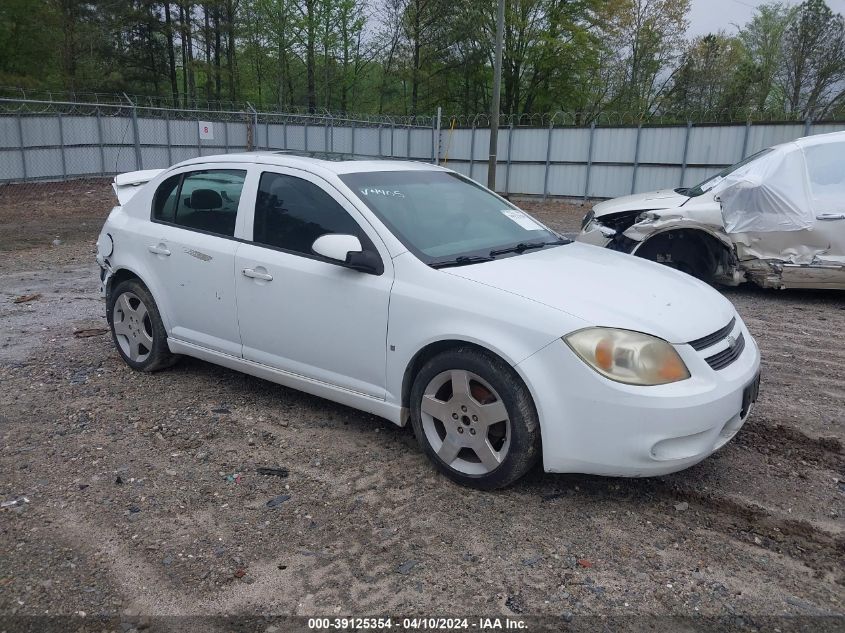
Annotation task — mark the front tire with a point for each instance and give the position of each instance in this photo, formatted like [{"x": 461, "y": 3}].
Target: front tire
[
  {"x": 137, "y": 329},
  {"x": 475, "y": 419}
]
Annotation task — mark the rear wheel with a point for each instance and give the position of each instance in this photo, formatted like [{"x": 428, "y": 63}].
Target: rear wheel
[
  {"x": 137, "y": 328},
  {"x": 475, "y": 419}
]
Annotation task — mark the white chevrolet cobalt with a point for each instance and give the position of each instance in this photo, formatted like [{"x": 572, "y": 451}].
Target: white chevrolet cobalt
[{"x": 410, "y": 292}]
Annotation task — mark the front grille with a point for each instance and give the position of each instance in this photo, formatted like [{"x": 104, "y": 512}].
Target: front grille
[
  {"x": 728, "y": 355},
  {"x": 711, "y": 339}
]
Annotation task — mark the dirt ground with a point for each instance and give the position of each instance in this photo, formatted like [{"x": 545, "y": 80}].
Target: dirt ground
[{"x": 142, "y": 495}]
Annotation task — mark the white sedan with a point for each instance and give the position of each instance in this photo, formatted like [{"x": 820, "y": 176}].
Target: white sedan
[{"x": 408, "y": 291}]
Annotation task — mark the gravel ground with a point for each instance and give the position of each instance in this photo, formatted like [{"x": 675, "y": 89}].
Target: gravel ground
[{"x": 143, "y": 495}]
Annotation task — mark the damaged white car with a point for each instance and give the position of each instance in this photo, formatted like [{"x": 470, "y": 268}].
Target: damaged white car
[{"x": 776, "y": 218}]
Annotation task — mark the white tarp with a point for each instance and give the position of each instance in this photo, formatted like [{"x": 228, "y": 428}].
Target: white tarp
[{"x": 787, "y": 188}]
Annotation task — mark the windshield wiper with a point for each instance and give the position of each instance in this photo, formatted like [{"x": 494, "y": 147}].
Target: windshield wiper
[
  {"x": 462, "y": 260},
  {"x": 524, "y": 246}
]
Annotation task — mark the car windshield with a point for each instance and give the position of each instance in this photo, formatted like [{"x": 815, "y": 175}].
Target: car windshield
[
  {"x": 446, "y": 219},
  {"x": 705, "y": 186}
]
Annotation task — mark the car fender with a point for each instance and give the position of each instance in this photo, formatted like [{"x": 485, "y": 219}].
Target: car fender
[
  {"x": 504, "y": 324},
  {"x": 159, "y": 296},
  {"x": 641, "y": 232}
]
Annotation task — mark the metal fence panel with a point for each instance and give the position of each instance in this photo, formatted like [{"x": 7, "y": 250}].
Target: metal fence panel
[
  {"x": 11, "y": 166},
  {"x": 610, "y": 181},
  {"x": 695, "y": 175},
  {"x": 9, "y": 136},
  {"x": 662, "y": 144},
  {"x": 529, "y": 177},
  {"x": 614, "y": 145},
  {"x": 182, "y": 153},
  {"x": 763, "y": 136},
  {"x": 79, "y": 130},
  {"x": 237, "y": 136},
  {"x": 315, "y": 139},
  {"x": 650, "y": 177},
  {"x": 568, "y": 145},
  {"x": 40, "y": 130},
  {"x": 366, "y": 141},
  {"x": 341, "y": 139},
  {"x": 825, "y": 128},
  {"x": 81, "y": 161},
  {"x": 152, "y": 131},
  {"x": 43, "y": 163},
  {"x": 421, "y": 148},
  {"x": 714, "y": 145},
  {"x": 46, "y": 140},
  {"x": 155, "y": 157},
  {"x": 120, "y": 159},
  {"x": 527, "y": 144},
  {"x": 566, "y": 180}
]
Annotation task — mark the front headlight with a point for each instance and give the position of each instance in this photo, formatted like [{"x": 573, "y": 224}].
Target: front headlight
[
  {"x": 629, "y": 357},
  {"x": 646, "y": 216}
]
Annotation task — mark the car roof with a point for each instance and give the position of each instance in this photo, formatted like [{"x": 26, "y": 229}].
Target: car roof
[
  {"x": 335, "y": 162},
  {"x": 819, "y": 139}
]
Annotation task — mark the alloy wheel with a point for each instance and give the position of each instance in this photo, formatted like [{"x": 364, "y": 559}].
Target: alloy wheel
[{"x": 465, "y": 422}]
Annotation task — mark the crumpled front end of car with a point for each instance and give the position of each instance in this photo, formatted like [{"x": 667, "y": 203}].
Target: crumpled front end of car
[{"x": 608, "y": 230}]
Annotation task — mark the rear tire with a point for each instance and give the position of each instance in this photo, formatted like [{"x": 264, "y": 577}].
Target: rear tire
[
  {"x": 136, "y": 327},
  {"x": 475, "y": 418}
]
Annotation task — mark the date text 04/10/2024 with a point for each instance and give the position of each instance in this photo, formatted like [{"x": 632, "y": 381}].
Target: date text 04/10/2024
[{"x": 418, "y": 624}]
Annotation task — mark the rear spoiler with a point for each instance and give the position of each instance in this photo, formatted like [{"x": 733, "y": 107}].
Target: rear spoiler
[{"x": 127, "y": 185}]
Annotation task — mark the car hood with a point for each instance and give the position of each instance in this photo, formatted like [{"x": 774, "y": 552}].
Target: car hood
[
  {"x": 662, "y": 199},
  {"x": 606, "y": 288}
]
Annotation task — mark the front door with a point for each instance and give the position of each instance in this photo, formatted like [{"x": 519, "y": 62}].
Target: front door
[{"x": 303, "y": 313}]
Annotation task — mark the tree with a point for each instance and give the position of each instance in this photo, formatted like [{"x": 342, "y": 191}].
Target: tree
[
  {"x": 706, "y": 79},
  {"x": 650, "y": 35},
  {"x": 813, "y": 68},
  {"x": 762, "y": 39}
]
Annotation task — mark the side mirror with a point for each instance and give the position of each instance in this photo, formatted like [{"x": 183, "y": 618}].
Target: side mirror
[
  {"x": 347, "y": 249},
  {"x": 335, "y": 246}
]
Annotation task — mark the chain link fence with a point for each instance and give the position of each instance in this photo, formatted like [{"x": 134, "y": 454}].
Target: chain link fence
[
  {"x": 59, "y": 140},
  {"x": 557, "y": 154}
]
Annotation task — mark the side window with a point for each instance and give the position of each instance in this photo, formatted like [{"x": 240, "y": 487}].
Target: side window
[
  {"x": 291, "y": 213},
  {"x": 202, "y": 200},
  {"x": 164, "y": 203},
  {"x": 827, "y": 177}
]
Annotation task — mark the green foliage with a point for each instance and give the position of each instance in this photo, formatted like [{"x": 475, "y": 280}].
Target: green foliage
[{"x": 411, "y": 56}]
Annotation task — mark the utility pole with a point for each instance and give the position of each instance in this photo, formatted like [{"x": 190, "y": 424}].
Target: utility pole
[{"x": 497, "y": 90}]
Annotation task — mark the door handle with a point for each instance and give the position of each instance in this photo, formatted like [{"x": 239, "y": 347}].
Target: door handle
[
  {"x": 158, "y": 249},
  {"x": 831, "y": 216},
  {"x": 254, "y": 274}
]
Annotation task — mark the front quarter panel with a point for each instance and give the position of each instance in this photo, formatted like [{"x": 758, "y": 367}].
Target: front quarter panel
[{"x": 428, "y": 305}]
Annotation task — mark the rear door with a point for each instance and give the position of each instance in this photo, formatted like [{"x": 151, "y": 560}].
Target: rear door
[
  {"x": 301, "y": 312},
  {"x": 191, "y": 247},
  {"x": 820, "y": 249}
]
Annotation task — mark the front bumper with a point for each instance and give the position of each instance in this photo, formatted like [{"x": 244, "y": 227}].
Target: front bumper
[{"x": 593, "y": 425}]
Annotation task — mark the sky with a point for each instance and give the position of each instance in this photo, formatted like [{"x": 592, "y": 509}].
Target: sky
[{"x": 708, "y": 16}]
